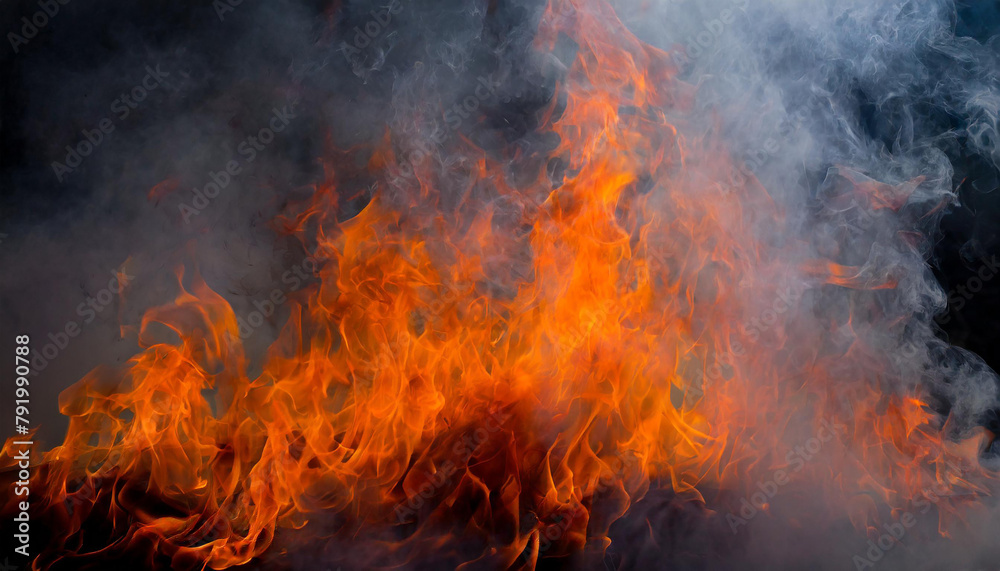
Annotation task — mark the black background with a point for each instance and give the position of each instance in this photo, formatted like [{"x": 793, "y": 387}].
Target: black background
[{"x": 85, "y": 37}]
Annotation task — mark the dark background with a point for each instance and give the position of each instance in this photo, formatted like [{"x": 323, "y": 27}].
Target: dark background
[
  {"x": 61, "y": 239},
  {"x": 64, "y": 79}
]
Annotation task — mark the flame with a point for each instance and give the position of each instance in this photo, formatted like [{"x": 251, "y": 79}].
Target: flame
[{"x": 499, "y": 377}]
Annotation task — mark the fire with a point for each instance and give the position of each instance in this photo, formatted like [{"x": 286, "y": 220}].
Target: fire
[{"x": 498, "y": 377}]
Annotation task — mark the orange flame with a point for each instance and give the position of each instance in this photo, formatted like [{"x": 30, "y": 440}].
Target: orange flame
[{"x": 493, "y": 371}]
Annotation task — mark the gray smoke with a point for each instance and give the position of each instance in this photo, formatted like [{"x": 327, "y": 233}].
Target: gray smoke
[
  {"x": 816, "y": 99},
  {"x": 811, "y": 98}
]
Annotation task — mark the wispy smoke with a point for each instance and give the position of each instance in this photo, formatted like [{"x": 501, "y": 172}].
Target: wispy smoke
[
  {"x": 820, "y": 99},
  {"x": 812, "y": 99}
]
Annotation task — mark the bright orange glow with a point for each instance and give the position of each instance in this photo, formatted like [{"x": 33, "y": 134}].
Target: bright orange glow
[{"x": 523, "y": 353}]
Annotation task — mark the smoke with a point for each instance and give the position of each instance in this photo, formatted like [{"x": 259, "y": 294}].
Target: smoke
[
  {"x": 822, "y": 99},
  {"x": 812, "y": 99},
  {"x": 819, "y": 97},
  {"x": 98, "y": 157}
]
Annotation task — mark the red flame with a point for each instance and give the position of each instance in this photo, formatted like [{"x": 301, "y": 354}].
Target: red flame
[{"x": 472, "y": 383}]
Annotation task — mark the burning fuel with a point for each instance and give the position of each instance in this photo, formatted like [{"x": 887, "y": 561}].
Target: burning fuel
[{"x": 576, "y": 283}]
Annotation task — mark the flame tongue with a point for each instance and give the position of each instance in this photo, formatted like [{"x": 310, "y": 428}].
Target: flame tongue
[{"x": 502, "y": 379}]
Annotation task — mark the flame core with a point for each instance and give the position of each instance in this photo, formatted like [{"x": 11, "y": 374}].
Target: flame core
[{"x": 498, "y": 375}]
